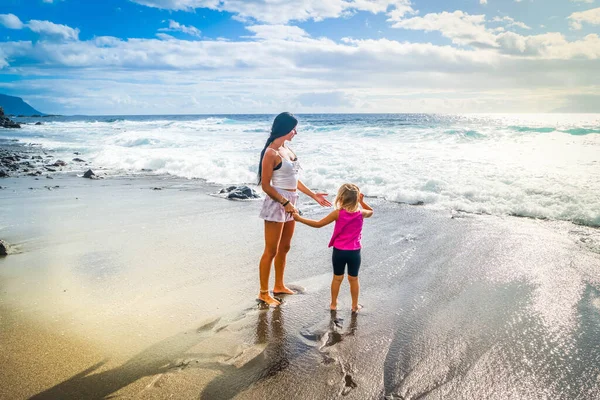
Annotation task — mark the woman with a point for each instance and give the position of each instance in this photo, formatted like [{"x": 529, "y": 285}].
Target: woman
[{"x": 278, "y": 175}]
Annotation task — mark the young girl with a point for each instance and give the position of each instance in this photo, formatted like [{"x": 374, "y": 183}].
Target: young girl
[{"x": 348, "y": 217}]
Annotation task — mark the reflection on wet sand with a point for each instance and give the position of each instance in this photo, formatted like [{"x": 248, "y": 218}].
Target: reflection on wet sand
[{"x": 270, "y": 332}]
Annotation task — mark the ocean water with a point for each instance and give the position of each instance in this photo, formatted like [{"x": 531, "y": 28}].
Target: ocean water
[{"x": 543, "y": 166}]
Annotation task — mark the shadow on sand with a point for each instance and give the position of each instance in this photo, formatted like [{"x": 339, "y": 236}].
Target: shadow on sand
[{"x": 237, "y": 375}]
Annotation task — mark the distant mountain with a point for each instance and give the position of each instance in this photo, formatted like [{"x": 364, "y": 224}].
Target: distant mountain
[{"x": 16, "y": 106}]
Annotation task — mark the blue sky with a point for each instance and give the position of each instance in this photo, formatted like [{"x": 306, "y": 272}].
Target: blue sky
[{"x": 255, "y": 56}]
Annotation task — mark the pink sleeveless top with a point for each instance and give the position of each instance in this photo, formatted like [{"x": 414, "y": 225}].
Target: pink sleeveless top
[{"x": 348, "y": 231}]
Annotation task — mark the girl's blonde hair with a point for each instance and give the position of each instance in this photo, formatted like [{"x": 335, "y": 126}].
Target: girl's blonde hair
[{"x": 347, "y": 197}]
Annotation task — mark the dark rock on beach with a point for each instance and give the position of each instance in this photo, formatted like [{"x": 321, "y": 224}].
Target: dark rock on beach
[
  {"x": 6, "y": 122},
  {"x": 241, "y": 193},
  {"x": 4, "y": 174},
  {"x": 228, "y": 189},
  {"x": 38, "y": 123},
  {"x": 90, "y": 174},
  {"x": 3, "y": 248},
  {"x": 78, "y": 160},
  {"x": 59, "y": 163}
]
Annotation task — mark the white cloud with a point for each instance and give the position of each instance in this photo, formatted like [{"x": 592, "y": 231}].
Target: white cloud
[
  {"x": 401, "y": 8},
  {"x": 510, "y": 22},
  {"x": 470, "y": 30},
  {"x": 281, "y": 12},
  {"x": 11, "y": 21},
  {"x": 183, "y": 5},
  {"x": 292, "y": 49},
  {"x": 460, "y": 27},
  {"x": 550, "y": 46},
  {"x": 582, "y": 1},
  {"x": 278, "y": 32},
  {"x": 47, "y": 28},
  {"x": 164, "y": 36},
  {"x": 482, "y": 1},
  {"x": 51, "y": 29},
  {"x": 175, "y": 26},
  {"x": 48, "y": 1},
  {"x": 577, "y": 19}
]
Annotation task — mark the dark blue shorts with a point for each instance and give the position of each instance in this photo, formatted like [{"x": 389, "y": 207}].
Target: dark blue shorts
[{"x": 341, "y": 258}]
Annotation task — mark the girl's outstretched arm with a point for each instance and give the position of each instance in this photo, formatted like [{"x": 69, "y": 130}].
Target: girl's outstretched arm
[{"x": 332, "y": 216}]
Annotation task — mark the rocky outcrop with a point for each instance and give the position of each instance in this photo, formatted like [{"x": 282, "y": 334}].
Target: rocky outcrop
[
  {"x": 6, "y": 122},
  {"x": 240, "y": 193},
  {"x": 90, "y": 174},
  {"x": 3, "y": 248}
]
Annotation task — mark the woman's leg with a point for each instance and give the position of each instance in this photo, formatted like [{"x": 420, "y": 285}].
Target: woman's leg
[
  {"x": 272, "y": 237},
  {"x": 282, "y": 249}
]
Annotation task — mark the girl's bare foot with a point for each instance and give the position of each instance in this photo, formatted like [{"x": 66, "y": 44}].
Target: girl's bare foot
[
  {"x": 265, "y": 297},
  {"x": 283, "y": 290},
  {"x": 355, "y": 309}
]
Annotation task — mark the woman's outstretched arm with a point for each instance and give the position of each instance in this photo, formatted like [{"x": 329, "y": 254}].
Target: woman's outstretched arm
[
  {"x": 318, "y": 197},
  {"x": 332, "y": 216}
]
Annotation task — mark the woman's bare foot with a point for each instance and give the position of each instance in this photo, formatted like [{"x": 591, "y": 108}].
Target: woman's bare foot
[
  {"x": 357, "y": 308},
  {"x": 266, "y": 297},
  {"x": 283, "y": 290}
]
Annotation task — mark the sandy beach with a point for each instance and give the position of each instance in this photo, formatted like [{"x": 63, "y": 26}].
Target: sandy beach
[
  {"x": 143, "y": 144},
  {"x": 116, "y": 288}
]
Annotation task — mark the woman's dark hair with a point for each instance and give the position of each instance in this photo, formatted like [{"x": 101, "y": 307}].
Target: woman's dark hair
[{"x": 283, "y": 124}]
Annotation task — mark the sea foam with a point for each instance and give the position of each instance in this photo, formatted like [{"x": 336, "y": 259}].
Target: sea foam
[{"x": 542, "y": 166}]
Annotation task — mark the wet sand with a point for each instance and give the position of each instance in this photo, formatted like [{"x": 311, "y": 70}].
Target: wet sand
[{"x": 116, "y": 289}]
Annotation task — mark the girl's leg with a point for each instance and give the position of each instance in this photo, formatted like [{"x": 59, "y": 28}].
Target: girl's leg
[
  {"x": 353, "y": 268},
  {"x": 354, "y": 290},
  {"x": 336, "y": 282},
  {"x": 338, "y": 260},
  {"x": 272, "y": 236},
  {"x": 285, "y": 243}
]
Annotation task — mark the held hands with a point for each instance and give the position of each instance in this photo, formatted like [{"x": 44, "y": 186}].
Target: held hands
[
  {"x": 289, "y": 207},
  {"x": 296, "y": 215}
]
